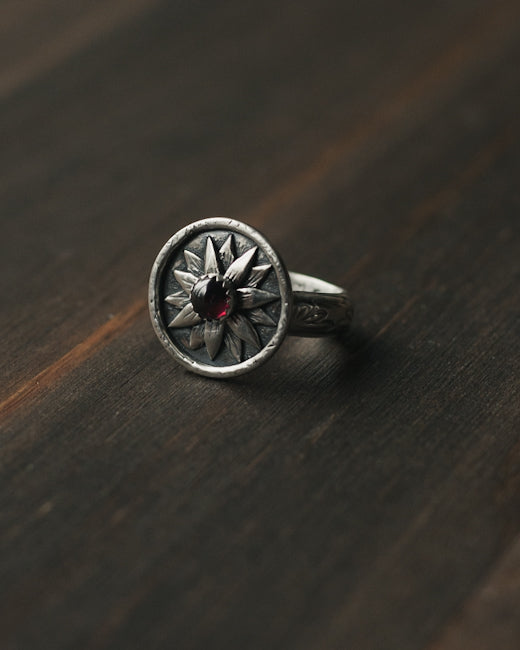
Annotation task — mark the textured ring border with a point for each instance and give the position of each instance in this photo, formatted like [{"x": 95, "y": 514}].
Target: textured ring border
[{"x": 284, "y": 282}]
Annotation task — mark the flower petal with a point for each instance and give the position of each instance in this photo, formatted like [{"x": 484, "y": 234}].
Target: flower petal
[
  {"x": 227, "y": 251},
  {"x": 193, "y": 262},
  {"x": 260, "y": 317},
  {"x": 179, "y": 299},
  {"x": 185, "y": 279},
  {"x": 249, "y": 298},
  {"x": 257, "y": 274},
  {"x": 196, "y": 337},
  {"x": 240, "y": 267},
  {"x": 244, "y": 330},
  {"x": 186, "y": 317},
  {"x": 234, "y": 345},
  {"x": 213, "y": 334},
  {"x": 211, "y": 264}
]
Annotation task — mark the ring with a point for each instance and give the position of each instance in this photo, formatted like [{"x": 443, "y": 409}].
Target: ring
[{"x": 221, "y": 300}]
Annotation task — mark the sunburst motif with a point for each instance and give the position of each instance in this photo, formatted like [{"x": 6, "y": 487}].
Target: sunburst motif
[{"x": 220, "y": 299}]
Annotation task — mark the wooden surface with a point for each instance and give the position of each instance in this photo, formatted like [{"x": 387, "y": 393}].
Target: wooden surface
[{"x": 356, "y": 494}]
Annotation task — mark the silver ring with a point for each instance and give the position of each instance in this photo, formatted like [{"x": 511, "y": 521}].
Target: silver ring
[{"x": 221, "y": 300}]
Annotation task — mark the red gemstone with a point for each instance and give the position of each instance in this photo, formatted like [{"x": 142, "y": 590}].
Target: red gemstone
[{"x": 210, "y": 299}]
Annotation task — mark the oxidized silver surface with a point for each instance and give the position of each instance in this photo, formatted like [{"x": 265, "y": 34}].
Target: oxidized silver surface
[{"x": 221, "y": 300}]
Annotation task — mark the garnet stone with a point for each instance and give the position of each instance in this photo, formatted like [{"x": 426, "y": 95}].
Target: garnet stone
[{"x": 211, "y": 299}]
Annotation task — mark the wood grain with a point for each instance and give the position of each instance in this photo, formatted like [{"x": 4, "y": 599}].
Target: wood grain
[
  {"x": 490, "y": 618},
  {"x": 354, "y": 493}
]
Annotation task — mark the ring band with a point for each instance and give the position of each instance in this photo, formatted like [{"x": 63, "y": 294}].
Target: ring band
[
  {"x": 319, "y": 308},
  {"x": 221, "y": 300}
]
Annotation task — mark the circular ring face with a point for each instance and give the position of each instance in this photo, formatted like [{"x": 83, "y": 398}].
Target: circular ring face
[{"x": 220, "y": 297}]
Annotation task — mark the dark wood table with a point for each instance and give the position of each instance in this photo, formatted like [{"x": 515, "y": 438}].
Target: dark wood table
[{"x": 360, "y": 493}]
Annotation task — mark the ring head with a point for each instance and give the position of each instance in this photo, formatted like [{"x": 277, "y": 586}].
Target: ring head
[{"x": 220, "y": 297}]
